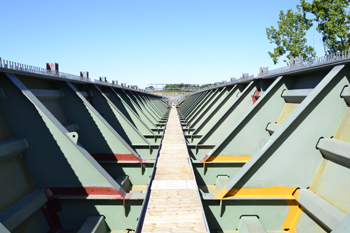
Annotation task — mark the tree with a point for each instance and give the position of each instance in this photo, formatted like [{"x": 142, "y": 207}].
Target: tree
[
  {"x": 149, "y": 88},
  {"x": 290, "y": 36},
  {"x": 205, "y": 85},
  {"x": 332, "y": 22}
]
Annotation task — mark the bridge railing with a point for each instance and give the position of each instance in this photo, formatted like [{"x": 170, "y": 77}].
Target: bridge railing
[
  {"x": 296, "y": 63},
  {"x": 5, "y": 64},
  {"x": 309, "y": 63}
]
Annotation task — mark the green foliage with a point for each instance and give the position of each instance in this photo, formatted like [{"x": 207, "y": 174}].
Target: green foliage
[
  {"x": 290, "y": 36},
  {"x": 175, "y": 86},
  {"x": 180, "y": 87},
  {"x": 332, "y": 22},
  {"x": 205, "y": 85}
]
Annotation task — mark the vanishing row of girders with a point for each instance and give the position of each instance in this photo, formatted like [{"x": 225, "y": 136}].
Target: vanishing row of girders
[
  {"x": 273, "y": 153},
  {"x": 74, "y": 152}
]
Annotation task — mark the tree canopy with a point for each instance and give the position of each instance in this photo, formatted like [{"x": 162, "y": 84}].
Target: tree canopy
[
  {"x": 290, "y": 36},
  {"x": 332, "y": 22},
  {"x": 331, "y": 18},
  {"x": 180, "y": 87},
  {"x": 205, "y": 85}
]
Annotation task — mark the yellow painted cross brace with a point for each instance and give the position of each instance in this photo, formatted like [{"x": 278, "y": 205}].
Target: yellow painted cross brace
[
  {"x": 227, "y": 159},
  {"x": 290, "y": 193}
]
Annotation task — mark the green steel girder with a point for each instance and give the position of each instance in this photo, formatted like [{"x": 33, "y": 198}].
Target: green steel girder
[
  {"x": 321, "y": 114},
  {"x": 130, "y": 114},
  {"x": 144, "y": 115},
  {"x": 238, "y": 145},
  {"x": 221, "y": 104},
  {"x": 54, "y": 159},
  {"x": 148, "y": 104},
  {"x": 151, "y": 105},
  {"x": 197, "y": 105},
  {"x": 184, "y": 102},
  {"x": 117, "y": 119},
  {"x": 155, "y": 119},
  {"x": 19, "y": 212},
  {"x": 222, "y": 126},
  {"x": 79, "y": 110},
  {"x": 252, "y": 126},
  {"x": 144, "y": 105},
  {"x": 217, "y": 111},
  {"x": 201, "y": 106},
  {"x": 137, "y": 111},
  {"x": 114, "y": 144},
  {"x": 233, "y": 211},
  {"x": 191, "y": 105},
  {"x": 237, "y": 112},
  {"x": 163, "y": 107},
  {"x": 294, "y": 129},
  {"x": 117, "y": 217},
  {"x": 210, "y": 106},
  {"x": 156, "y": 104}
]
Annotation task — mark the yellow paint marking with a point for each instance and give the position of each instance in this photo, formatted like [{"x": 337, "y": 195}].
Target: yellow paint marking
[
  {"x": 221, "y": 194},
  {"x": 343, "y": 131},
  {"x": 286, "y": 111},
  {"x": 319, "y": 173},
  {"x": 295, "y": 211},
  {"x": 277, "y": 191},
  {"x": 225, "y": 159}
]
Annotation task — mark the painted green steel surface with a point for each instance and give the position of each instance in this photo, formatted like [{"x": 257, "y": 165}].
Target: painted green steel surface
[
  {"x": 296, "y": 133},
  {"x": 269, "y": 154},
  {"x": 50, "y": 134}
]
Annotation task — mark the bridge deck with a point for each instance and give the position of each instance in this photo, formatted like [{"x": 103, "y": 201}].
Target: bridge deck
[{"x": 174, "y": 205}]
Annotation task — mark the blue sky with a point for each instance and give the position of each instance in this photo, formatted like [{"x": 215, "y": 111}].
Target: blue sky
[{"x": 145, "y": 41}]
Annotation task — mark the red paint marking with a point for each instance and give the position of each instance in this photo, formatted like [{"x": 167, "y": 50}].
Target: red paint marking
[
  {"x": 256, "y": 96},
  {"x": 90, "y": 97},
  {"x": 100, "y": 157},
  {"x": 148, "y": 161},
  {"x": 58, "y": 192}
]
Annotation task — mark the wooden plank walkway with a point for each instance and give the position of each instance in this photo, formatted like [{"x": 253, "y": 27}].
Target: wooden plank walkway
[{"x": 173, "y": 205}]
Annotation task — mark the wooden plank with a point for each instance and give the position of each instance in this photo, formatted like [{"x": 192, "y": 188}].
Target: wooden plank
[
  {"x": 173, "y": 205},
  {"x": 170, "y": 176}
]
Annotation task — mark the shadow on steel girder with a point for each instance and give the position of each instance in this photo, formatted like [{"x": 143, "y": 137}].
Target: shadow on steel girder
[
  {"x": 273, "y": 154},
  {"x": 75, "y": 156}
]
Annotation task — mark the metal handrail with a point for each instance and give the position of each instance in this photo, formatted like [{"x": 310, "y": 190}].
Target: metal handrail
[
  {"x": 5, "y": 64},
  {"x": 10, "y": 65},
  {"x": 309, "y": 63},
  {"x": 338, "y": 56}
]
